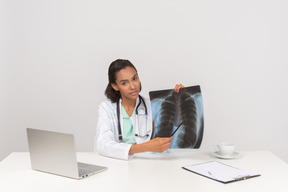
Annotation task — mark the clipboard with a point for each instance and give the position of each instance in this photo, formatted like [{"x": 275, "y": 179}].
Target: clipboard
[{"x": 220, "y": 172}]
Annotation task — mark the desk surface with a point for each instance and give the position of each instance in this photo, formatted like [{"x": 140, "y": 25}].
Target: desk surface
[{"x": 148, "y": 172}]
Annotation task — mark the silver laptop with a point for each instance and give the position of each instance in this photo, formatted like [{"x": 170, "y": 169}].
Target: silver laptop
[{"x": 55, "y": 153}]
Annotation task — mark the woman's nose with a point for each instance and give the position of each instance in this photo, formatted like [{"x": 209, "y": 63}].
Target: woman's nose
[{"x": 132, "y": 86}]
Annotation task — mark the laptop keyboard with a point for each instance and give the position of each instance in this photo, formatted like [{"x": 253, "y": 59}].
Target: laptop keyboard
[
  {"x": 87, "y": 169},
  {"x": 83, "y": 172}
]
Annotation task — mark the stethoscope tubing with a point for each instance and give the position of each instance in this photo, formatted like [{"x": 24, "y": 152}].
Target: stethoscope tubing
[{"x": 120, "y": 136}]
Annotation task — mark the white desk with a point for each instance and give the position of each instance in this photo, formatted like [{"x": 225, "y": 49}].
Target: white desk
[{"x": 147, "y": 172}]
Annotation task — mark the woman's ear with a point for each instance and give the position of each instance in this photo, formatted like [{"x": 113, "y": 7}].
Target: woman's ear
[{"x": 114, "y": 86}]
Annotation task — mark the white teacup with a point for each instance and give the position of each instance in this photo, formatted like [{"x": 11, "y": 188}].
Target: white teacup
[{"x": 226, "y": 149}]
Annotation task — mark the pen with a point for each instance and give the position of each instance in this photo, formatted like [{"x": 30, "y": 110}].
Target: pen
[
  {"x": 176, "y": 129},
  {"x": 212, "y": 174}
]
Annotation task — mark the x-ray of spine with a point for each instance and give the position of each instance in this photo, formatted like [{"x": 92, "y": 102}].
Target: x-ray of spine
[{"x": 171, "y": 109}]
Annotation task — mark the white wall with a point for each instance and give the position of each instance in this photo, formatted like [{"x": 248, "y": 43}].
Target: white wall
[{"x": 54, "y": 57}]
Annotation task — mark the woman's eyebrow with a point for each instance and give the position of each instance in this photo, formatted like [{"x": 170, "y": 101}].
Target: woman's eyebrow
[
  {"x": 136, "y": 75},
  {"x": 124, "y": 80}
]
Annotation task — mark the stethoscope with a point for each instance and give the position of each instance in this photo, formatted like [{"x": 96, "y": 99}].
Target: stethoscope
[{"x": 118, "y": 117}]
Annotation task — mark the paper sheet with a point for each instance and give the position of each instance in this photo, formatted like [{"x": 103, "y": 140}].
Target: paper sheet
[{"x": 219, "y": 171}]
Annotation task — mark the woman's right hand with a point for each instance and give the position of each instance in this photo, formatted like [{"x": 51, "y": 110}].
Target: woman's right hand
[{"x": 159, "y": 144}]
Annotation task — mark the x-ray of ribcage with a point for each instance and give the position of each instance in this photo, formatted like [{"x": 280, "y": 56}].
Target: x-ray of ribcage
[{"x": 170, "y": 109}]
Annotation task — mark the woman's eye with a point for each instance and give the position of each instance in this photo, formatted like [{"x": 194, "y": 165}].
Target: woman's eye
[
  {"x": 135, "y": 78},
  {"x": 124, "y": 83}
]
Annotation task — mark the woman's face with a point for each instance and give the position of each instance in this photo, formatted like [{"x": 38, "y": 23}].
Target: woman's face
[{"x": 127, "y": 83}]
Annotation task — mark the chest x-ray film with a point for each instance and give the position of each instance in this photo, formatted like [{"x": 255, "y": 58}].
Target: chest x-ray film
[{"x": 180, "y": 114}]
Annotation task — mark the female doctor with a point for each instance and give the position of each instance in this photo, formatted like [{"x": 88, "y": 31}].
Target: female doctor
[{"x": 124, "y": 123}]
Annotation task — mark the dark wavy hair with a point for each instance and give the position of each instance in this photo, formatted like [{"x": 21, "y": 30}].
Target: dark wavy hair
[{"x": 114, "y": 68}]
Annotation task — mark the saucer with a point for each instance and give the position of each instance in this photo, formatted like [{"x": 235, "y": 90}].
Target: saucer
[{"x": 232, "y": 156}]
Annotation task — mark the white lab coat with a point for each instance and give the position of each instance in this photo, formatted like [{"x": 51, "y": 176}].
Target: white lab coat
[{"x": 107, "y": 129}]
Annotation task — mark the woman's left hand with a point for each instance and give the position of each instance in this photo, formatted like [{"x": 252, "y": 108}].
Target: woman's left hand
[{"x": 178, "y": 87}]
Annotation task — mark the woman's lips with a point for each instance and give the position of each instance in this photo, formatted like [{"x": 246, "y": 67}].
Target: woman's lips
[{"x": 134, "y": 93}]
